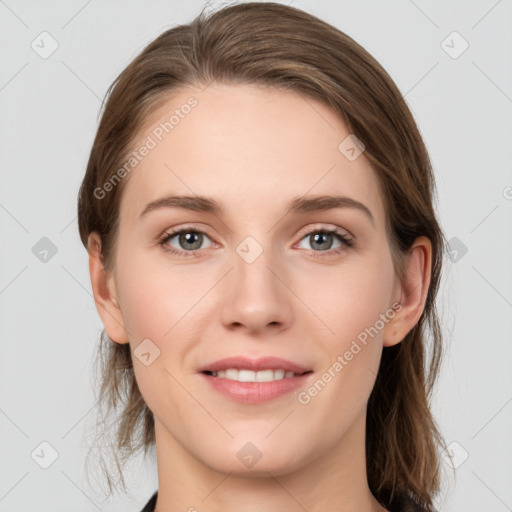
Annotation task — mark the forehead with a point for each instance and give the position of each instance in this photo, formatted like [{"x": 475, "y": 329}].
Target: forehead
[{"x": 248, "y": 146}]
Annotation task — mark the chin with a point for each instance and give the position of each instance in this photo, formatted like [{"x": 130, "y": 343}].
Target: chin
[
  {"x": 261, "y": 469},
  {"x": 253, "y": 460}
]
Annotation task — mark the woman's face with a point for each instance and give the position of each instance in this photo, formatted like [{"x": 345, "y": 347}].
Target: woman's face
[{"x": 253, "y": 279}]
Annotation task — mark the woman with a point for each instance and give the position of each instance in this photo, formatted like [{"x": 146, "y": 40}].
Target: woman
[{"x": 269, "y": 372}]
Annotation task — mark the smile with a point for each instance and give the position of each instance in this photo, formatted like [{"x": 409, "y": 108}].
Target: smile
[
  {"x": 251, "y": 391},
  {"x": 252, "y": 376}
]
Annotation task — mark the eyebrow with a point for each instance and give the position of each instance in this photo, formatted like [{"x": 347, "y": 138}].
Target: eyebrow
[{"x": 296, "y": 205}]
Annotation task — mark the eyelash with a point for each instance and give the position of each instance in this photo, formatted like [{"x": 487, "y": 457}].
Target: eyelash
[{"x": 347, "y": 242}]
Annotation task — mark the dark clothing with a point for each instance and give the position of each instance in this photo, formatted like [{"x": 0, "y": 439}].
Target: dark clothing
[
  {"x": 406, "y": 505},
  {"x": 150, "y": 505}
]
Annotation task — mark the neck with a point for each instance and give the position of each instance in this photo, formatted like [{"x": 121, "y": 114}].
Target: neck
[{"x": 334, "y": 480}]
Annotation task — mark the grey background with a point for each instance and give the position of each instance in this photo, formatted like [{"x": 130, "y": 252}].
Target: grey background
[{"x": 49, "y": 325}]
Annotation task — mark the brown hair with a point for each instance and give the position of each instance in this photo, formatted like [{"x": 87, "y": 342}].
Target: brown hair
[{"x": 281, "y": 46}]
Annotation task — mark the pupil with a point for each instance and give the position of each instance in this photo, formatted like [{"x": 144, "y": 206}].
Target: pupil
[
  {"x": 189, "y": 239},
  {"x": 321, "y": 236}
]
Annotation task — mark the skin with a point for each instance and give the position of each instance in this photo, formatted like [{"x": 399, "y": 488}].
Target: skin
[{"x": 253, "y": 149}]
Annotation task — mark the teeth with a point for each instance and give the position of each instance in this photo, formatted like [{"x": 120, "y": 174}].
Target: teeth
[{"x": 250, "y": 376}]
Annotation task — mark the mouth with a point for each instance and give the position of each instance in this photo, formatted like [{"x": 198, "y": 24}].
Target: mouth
[
  {"x": 242, "y": 375},
  {"x": 255, "y": 387},
  {"x": 251, "y": 381}
]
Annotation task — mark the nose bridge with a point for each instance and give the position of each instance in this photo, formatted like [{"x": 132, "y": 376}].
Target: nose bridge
[{"x": 257, "y": 295}]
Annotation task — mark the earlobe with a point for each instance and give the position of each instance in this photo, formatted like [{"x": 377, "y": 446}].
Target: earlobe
[
  {"x": 413, "y": 291},
  {"x": 104, "y": 291}
]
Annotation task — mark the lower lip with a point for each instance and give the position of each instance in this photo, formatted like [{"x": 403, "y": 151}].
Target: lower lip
[{"x": 255, "y": 392}]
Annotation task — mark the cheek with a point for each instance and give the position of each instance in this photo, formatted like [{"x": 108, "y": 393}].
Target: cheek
[
  {"x": 351, "y": 299},
  {"x": 155, "y": 308},
  {"x": 350, "y": 303},
  {"x": 155, "y": 297}
]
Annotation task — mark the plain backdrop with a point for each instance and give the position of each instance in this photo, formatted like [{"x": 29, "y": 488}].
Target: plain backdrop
[{"x": 453, "y": 63}]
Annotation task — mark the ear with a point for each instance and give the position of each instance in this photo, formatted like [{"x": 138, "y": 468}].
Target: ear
[
  {"x": 105, "y": 294},
  {"x": 411, "y": 293}
]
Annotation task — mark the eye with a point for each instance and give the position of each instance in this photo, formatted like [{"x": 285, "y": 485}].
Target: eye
[
  {"x": 189, "y": 239},
  {"x": 321, "y": 240}
]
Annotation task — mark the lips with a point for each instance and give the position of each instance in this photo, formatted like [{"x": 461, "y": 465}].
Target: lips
[{"x": 263, "y": 363}]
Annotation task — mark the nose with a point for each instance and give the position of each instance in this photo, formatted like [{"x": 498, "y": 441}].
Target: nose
[{"x": 256, "y": 295}]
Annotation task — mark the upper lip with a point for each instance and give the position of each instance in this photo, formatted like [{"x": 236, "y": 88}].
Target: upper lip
[{"x": 263, "y": 363}]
